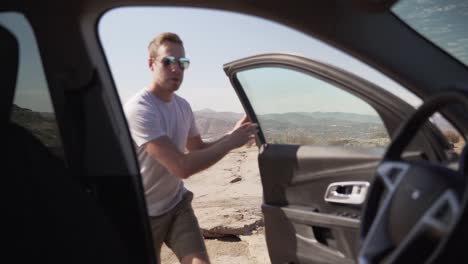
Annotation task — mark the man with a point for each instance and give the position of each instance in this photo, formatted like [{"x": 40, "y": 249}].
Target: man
[{"x": 169, "y": 149}]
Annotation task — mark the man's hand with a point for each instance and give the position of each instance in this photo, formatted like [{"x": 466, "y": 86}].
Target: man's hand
[
  {"x": 245, "y": 119},
  {"x": 242, "y": 134}
]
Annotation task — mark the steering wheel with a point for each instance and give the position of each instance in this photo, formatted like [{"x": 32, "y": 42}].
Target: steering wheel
[{"x": 412, "y": 206}]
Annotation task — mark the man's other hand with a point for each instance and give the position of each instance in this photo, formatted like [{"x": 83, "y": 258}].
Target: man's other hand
[
  {"x": 245, "y": 119},
  {"x": 243, "y": 133}
]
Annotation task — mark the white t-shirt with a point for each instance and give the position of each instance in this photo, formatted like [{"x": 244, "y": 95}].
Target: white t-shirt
[{"x": 149, "y": 118}]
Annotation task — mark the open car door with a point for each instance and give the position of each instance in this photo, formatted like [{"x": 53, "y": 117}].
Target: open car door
[{"x": 322, "y": 134}]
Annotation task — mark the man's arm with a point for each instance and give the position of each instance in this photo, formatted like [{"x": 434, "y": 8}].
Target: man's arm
[
  {"x": 183, "y": 165},
  {"x": 197, "y": 143}
]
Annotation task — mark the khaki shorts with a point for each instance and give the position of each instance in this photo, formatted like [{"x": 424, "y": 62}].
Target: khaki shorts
[{"x": 179, "y": 229}]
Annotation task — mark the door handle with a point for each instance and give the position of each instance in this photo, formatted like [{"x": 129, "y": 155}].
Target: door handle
[{"x": 353, "y": 192}]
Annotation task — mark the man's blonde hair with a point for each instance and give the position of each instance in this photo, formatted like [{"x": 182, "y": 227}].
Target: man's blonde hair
[{"x": 160, "y": 39}]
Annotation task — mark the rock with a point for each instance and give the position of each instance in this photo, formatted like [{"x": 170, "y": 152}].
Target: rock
[
  {"x": 216, "y": 222},
  {"x": 236, "y": 179}
]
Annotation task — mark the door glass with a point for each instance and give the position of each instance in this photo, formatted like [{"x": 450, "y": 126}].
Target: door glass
[
  {"x": 32, "y": 105},
  {"x": 293, "y": 107}
]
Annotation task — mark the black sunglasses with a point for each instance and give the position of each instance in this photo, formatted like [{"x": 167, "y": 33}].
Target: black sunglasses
[{"x": 171, "y": 60}]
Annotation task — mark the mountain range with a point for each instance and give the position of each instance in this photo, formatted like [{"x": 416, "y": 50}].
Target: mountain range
[
  {"x": 314, "y": 125},
  {"x": 42, "y": 125},
  {"x": 325, "y": 128}
]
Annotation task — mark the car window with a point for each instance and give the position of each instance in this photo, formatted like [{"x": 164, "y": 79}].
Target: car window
[
  {"x": 32, "y": 105},
  {"x": 441, "y": 22},
  {"x": 294, "y": 107}
]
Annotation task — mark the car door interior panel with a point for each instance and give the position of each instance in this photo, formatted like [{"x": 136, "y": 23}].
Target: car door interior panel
[{"x": 318, "y": 225}]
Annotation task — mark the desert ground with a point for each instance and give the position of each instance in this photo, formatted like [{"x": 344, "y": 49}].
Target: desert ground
[{"x": 227, "y": 200}]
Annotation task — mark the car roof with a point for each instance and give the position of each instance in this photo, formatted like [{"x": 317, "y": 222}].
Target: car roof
[{"x": 368, "y": 31}]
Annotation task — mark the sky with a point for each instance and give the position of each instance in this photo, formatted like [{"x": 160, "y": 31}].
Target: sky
[{"x": 212, "y": 38}]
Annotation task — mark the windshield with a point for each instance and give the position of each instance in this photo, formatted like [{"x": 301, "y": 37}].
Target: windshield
[{"x": 443, "y": 22}]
